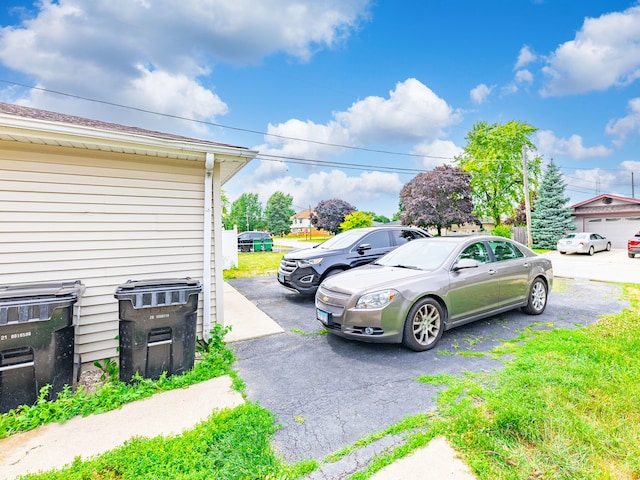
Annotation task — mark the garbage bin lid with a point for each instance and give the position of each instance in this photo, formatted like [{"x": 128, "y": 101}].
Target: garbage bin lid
[
  {"x": 158, "y": 284},
  {"x": 45, "y": 291}
]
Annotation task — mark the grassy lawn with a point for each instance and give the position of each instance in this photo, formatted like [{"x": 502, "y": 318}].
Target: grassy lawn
[
  {"x": 254, "y": 264},
  {"x": 565, "y": 406}
]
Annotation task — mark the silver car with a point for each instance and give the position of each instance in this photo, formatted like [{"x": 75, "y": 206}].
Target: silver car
[
  {"x": 583, "y": 242},
  {"x": 416, "y": 292}
]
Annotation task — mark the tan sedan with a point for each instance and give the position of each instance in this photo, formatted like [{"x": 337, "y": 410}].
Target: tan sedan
[{"x": 416, "y": 292}]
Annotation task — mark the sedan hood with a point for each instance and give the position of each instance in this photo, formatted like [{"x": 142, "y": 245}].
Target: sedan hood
[
  {"x": 370, "y": 278},
  {"x": 305, "y": 253}
]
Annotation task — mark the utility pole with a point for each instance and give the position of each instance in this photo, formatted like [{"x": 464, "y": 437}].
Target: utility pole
[
  {"x": 633, "y": 188},
  {"x": 527, "y": 203}
]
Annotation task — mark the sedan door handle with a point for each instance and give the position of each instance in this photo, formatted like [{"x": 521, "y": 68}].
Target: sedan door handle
[{"x": 492, "y": 272}]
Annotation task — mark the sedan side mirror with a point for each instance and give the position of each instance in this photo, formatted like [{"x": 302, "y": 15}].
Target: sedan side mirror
[
  {"x": 465, "y": 263},
  {"x": 363, "y": 247}
]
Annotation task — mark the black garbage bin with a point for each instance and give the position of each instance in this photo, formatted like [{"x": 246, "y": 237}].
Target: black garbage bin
[
  {"x": 157, "y": 326},
  {"x": 37, "y": 338}
]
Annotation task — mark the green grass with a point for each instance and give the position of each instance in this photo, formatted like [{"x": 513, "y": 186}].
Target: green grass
[
  {"x": 216, "y": 360},
  {"x": 232, "y": 443},
  {"x": 254, "y": 264},
  {"x": 565, "y": 406}
]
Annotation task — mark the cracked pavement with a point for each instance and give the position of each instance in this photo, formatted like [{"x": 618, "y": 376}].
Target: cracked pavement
[{"x": 327, "y": 392}]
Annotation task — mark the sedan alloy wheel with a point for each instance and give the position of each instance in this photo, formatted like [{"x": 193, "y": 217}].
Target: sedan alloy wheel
[{"x": 424, "y": 325}]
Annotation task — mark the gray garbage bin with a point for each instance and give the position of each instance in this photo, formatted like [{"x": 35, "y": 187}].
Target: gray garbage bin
[
  {"x": 157, "y": 326},
  {"x": 37, "y": 338}
]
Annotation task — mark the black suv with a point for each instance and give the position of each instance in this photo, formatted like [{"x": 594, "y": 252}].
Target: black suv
[
  {"x": 245, "y": 239},
  {"x": 303, "y": 270}
]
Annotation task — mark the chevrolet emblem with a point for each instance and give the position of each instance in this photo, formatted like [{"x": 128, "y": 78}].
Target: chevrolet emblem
[{"x": 325, "y": 299}]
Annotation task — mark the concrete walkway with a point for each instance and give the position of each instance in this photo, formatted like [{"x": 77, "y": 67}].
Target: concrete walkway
[{"x": 56, "y": 445}]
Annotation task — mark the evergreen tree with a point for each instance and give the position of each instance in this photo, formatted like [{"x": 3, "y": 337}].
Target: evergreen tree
[{"x": 550, "y": 219}]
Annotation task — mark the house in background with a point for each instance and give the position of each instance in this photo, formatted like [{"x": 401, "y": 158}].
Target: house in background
[
  {"x": 612, "y": 216},
  {"x": 301, "y": 224},
  {"x": 105, "y": 203}
]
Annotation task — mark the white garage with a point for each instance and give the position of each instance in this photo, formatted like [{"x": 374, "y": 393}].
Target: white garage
[{"x": 614, "y": 217}]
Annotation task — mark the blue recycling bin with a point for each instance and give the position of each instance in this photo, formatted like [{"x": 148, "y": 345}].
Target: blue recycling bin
[
  {"x": 37, "y": 339},
  {"x": 157, "y": 326}
]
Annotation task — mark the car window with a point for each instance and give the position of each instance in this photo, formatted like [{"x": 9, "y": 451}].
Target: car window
[
  {"x": 403, "y": 236},
  {"x": 477, "y": 252},
  {"x": 377, "y": 240},
  {"x": 342, "y": 240},
  {"x": 505, "y": 251}
]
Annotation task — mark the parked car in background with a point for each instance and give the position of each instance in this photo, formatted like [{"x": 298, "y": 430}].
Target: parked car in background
[
  {"x": 302, "y": 270},
  {"x": 633, "y": 245},
  {"x": 245, "y": 239},
  {"x": 419, "y": 290},
  {"x": 583, "y": 242}
]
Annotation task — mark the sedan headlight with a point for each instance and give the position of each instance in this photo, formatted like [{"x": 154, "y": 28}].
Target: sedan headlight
[
  {"x": 308, "y": 262},
  {"x": 376, "y": 299}
]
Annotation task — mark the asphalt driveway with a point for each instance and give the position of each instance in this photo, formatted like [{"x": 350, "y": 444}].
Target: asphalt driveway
[{"x": 328, "y": 392}]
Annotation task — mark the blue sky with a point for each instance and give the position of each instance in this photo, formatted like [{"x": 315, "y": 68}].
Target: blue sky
[{"x": 344, "y": 99}]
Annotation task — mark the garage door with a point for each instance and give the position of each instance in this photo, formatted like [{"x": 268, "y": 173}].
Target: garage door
[{"x": 617, "y": 229}]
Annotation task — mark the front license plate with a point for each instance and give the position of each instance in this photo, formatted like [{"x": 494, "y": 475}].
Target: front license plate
[
  {"x": 281, "y": 277},
  {"x": 322, "y": 316}
]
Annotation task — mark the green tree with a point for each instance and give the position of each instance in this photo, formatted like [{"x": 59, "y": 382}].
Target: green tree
[
  {"x": 246, "y": 213},
  {"x": 357, "y": 220},
  {"x": 551, "y": 218},
  {"x": 439, "y": 198},
  {"x": 493, "y": 156},
  {"x": 278, "y": 213},
  {"x": 379, "y": 218}
]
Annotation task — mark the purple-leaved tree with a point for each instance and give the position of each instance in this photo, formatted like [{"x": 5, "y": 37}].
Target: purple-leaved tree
[
  {"x": 439, "y": 198},
  {"x": 329, "y": 214}
]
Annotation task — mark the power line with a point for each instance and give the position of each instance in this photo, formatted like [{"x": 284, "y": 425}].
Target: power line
[
  {"x": 289, "y": 159},
  {"x": 219, "y": 125}
]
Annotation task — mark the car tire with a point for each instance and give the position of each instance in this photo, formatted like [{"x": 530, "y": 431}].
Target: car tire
[
  {"x": 631, "y": 255},
  {"x": 608, "y": 247},
  {"x": 563, "y": 253},
  {"x": 537, "y": 300},
  {"x": 423, "y": 326},
  {"x": 591, "y": 250}
]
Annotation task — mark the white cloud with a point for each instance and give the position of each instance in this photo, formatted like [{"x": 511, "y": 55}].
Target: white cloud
[
  {"x": 603, "y": 180},
  {"x": 525, "y": 57},
  {"x": 604, "y": 53},
  {"x": 308, "y": 191},
  {"x": 550, "y": 145},
  {"x": 411, "y": 113},
  {"x": 315, "y": 140},
  {"x": 625, "y": 126},
  {"x": 480, "y": 93},
  {"x": 436, "y": 153},
  {"x": 142, "y": 50},
  {"x": 524, "y": 76}
]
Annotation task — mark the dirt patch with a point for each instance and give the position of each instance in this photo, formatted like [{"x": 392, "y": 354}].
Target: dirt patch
[{"x": 90, "y": 380}]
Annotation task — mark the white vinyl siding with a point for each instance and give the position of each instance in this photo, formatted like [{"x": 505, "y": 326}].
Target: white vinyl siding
[{"x": 102, "y": 218}]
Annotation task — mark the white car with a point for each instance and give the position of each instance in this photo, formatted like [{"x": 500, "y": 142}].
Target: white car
[{"x": 583, "y": 242}]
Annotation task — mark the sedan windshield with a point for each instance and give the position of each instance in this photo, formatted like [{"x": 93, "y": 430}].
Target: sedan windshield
[{"x": 419, "y": 254}]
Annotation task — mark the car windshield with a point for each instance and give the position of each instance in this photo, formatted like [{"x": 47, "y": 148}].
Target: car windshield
[
  {"x": 420, "y": 254},
  {"x": 342, "y": 240}
]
